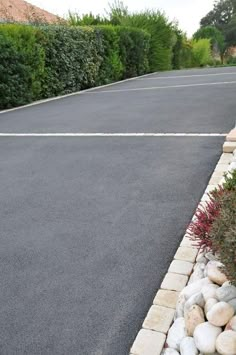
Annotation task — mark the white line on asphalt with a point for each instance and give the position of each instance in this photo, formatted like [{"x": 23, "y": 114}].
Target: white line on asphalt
[
  {"x": 186, "y": 76},
  {"x": 159, "y": 87},
  {"x": 113, "y": 134},
  {"x": 40, "y": 102}
]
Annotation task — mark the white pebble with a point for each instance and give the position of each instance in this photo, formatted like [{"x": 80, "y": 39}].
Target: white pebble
[
  {"x": 205, "y": 336},
  {"x": 232, "y": 324},
  {"x": 169, "y": 351},
  {"x": 198, "y": 273},
  {"x": 195, "y": 299},
  {"x": 233, "y": 304},
  {"x": 195, "y": 287},
  {"x": 188, "y": 347},
  {"x": 226, "y": 343},
  {"x": 214, "y": 272},
  {"x": 220, "y": 314},
  {"x": 193, "y": 318},
  {"x": 209, "y": 291},
  {"x": 176, "y": 333},
  {"x": 226, "y": 293},
  {"x": 180, "y": 306},
  {"x": 209, "y": 304}
]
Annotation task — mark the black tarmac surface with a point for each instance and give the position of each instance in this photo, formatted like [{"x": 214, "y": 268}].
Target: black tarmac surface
[{"x": 89, "y": 225}]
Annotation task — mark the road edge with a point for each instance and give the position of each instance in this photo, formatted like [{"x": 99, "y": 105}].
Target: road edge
[
  {"x": 80, "y": 92},
  {"x": 151, "y": 339}
]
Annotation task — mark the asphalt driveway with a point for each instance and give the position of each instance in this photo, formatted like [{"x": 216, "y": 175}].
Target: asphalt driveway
[{"x": 89, "y": 225}]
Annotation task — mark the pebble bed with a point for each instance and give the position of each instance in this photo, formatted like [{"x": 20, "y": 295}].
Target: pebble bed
[{"x": 205, "y": 316}]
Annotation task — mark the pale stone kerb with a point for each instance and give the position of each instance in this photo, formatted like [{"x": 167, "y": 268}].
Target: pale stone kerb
[
  {"x": 166, "y": 298},
  {"x": 159, "y": 319},
  {"x": 225, "y": 158},
  {"x": 181, "y": 267},
  {"x": 148, "y": 342},
  {"x": 229, "y": 147},
  {"x": 186, "y": 254},
  {"x": 231, "y": 137},
  {"x": 174, "y": 282}
]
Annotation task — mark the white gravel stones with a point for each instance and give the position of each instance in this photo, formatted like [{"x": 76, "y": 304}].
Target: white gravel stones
[
  {"x": 195, "y": 287},
  {"x": 209, "y": 291},
  {"x": 233, "y": 304},
  {"x": 209, "y": 304},
  {"x": 188, "y": 347},
  {"x": 196, "y": 299},
  {"x": 210, "y": 256},
  {"x": 170, "y": 351},
  {"x": 198, "y": 273},
  {"x": 180, "y": 306},
  {"x": 232, "y": 324},
  {"x": 226, "y": 293},
  {"x": 201, "y": 259},
  {"x": 205, "y": 336},
  {"x": 193, "y": 318},
  {"x": 176, "y": 333},
  {"x": 226, "y": 343},
  {"x": 220, "y": 314},
  {"x": 214, "y": 273}
]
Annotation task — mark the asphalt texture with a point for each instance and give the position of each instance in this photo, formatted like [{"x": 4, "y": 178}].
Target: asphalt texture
[{"x": 89, "y": 225}]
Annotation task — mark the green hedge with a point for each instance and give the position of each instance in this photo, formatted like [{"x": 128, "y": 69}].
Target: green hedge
[
  {"x": 111, "y": 68},
  {"x": 134, "y": 51},
  {"x": 46, "y": 61},
  {"x": 22, "y": 62},
  {"x": 72, "y": 59}
]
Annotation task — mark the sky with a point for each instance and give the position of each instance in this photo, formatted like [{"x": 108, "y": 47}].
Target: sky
[{"x": 187, "y": 12}]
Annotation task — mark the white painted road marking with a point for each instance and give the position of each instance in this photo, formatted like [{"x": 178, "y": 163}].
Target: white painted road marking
[
  {"x": 158, "y": 88},
  {"x": 186, "y": 76},
  {"x": 40, "y": 102},
  {"x": 113, "y": 134}
]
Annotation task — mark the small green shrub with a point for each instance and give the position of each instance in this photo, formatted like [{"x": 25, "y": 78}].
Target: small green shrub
[
  {"x": 223, "y": 234},
  {"x": 231, "y": 60},
  {"x": 214, "y": 226},
  {"x": 201, "y": 52},
  {"x": 230, "y": 181}
]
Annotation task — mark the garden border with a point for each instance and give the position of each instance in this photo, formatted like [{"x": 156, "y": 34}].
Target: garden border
[{"x": 152, "y": 337}]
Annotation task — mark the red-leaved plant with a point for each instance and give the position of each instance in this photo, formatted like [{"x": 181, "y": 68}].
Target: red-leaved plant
[{"x": 200, "y": 227}]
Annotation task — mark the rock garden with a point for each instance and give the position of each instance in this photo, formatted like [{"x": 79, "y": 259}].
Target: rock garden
[{"x": 205, "y": 316}]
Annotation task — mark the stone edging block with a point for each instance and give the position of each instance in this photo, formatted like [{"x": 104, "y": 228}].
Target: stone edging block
[{"x": 231, "y": 137}]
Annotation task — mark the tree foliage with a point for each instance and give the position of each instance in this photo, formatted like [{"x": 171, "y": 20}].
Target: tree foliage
[
  {"x": 214, "y": 35},
  {"x": 223, "y": 18},
  {"x": 161, "y": 32},
  {"x": 221, "y": 14}
]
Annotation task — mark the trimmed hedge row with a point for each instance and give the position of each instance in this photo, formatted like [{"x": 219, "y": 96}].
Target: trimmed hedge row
[{"x": 41, "y": 62}]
